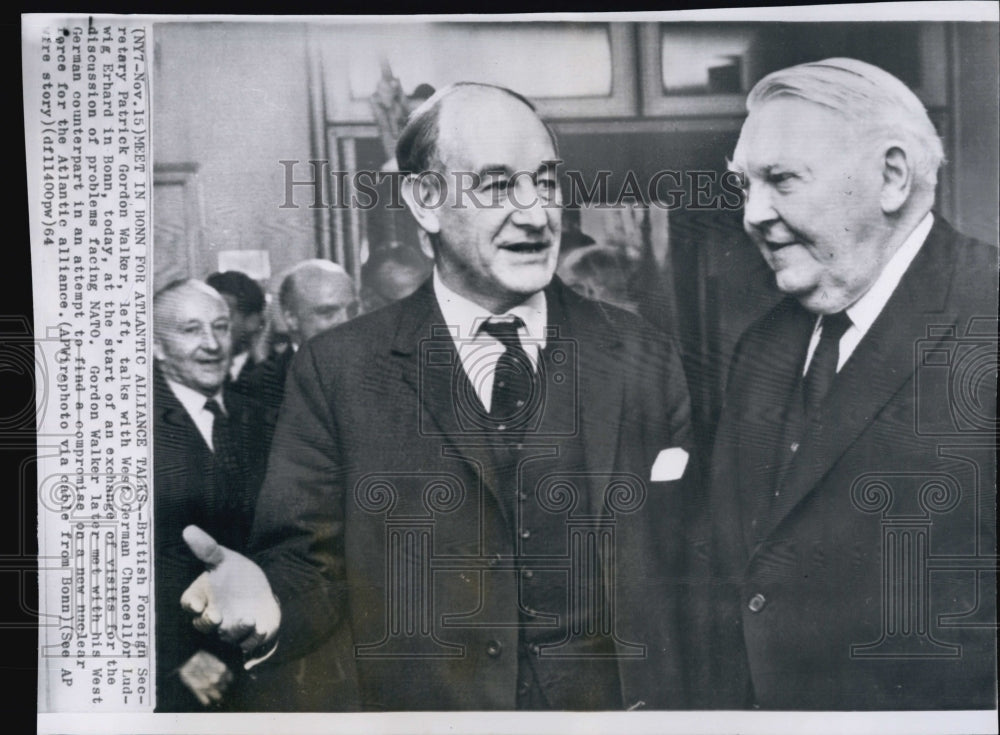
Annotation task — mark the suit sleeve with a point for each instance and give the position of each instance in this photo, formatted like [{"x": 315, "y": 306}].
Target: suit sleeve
[{"x": 298, "y": 527}]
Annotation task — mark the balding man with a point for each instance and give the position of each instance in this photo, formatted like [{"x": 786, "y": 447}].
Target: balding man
[
  {"x": 853, "y": 495},
  {"x": 207, "y": 470},
  {"x": 315, "y": 295},
  {"x": 477, "y": 489}
]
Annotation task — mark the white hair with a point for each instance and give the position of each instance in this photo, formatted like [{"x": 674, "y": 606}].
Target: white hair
[{"x": 879, "y": 103}]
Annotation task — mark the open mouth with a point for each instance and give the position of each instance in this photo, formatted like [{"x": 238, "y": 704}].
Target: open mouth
[
  {"x": 775, "y": 246},
  {"x": 526, "y": 247}
]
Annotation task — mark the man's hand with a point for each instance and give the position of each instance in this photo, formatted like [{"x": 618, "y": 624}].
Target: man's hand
[
  {"x": 232, "y": 596},
  {"x": 206, "y": 676}
]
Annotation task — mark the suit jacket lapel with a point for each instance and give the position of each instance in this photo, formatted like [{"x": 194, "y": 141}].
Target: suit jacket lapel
[
  {"x": 430, "y": 365},
  {"x": 174, "y": 418},
  {"x": 769, "y": 389},
  {"x": 878, "y": 368}
]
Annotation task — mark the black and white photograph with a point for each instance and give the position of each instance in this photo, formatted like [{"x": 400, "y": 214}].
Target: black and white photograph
[{"x": 587, "y": 367}]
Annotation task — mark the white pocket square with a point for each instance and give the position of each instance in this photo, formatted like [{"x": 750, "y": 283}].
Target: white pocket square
[{"x": 669, "y": 465}]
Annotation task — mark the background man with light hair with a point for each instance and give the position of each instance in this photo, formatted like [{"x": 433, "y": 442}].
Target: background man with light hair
[
  {"x": 315, "y": 295},
  {"x": 842, "y": 469}
]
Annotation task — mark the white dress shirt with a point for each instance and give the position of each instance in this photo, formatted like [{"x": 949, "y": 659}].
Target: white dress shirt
[
  {"x": 865, "y": 310},
  {"x": 478, "y": 350},
  {"x": 194, "y": 403},
  {"x": 237, "y": 364}
]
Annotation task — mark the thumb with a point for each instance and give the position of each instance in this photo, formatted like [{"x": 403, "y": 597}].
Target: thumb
[{"x": 203, "y": 546}]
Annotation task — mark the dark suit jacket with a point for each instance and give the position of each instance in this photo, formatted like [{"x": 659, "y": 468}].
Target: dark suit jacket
[
  {"x": 184, "y": 493},
  {"x": 871, "y": 585},
  {"x": 267, "y": 386},
  {"x": 372, "y": 445}
]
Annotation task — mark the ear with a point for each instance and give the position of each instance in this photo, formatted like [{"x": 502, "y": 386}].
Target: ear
[
  {"x": 291, "y": 321},
  {"x": 158, "y": 352},
  {"x": 423, "y": 198},
  {"x": 897, "y": 179},
  {"x": 426, "y": 246}
]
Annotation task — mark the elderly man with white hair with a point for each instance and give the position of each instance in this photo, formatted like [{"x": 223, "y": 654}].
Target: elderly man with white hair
[
  {"x": 208, "y": 465},
  {"x": 852, "y": 501}
]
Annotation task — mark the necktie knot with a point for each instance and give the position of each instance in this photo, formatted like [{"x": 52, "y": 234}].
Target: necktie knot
[
  {"x": 504, "y": 330},
  {"x": 823, "y": 368},
  {"x": 514, "y": 379},
  {"x": 213, "y": 407},
  {"x": 834, "y": 326}
]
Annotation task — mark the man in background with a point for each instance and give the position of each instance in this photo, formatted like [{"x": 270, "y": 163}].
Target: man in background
[
  {"x": 315, "y": 295},
  {"x": 847, "y": 459},
  {"x": 246, "y": 303},
  {"x": 207, "y": 470}
]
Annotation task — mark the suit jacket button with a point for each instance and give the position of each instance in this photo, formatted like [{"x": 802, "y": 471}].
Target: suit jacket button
[
  {"x": 757, "y": 602},
  {"x": 493, "y": 648}
]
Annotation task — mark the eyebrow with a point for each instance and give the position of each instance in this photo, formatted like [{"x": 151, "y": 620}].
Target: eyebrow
[
  {"x": 768, "y": 169},
  {"x": 494, "y": 169},
  {"x": 497, "y": 169}
]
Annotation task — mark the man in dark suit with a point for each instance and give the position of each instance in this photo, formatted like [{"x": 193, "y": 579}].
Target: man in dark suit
[
  {"x": 853, "y": 491},
  {"x": 477, "y": 491},
  {"x": 315, "y": 295},
  {"x": 206, "y": 472}
]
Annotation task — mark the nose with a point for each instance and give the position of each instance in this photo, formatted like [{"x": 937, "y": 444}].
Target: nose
[
  {"x": 529, "y": 210},
  {"x": 210, "y": 341},
  {"x": 758, "y": 208}
]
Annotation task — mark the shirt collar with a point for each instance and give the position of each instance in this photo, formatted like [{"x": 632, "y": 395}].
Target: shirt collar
[
  {"x": 467, "y": 315},
  {"x": 237, "y": 364},
  {"x": 192, "y": 400},
  {"x": 865, "y": 310}
]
